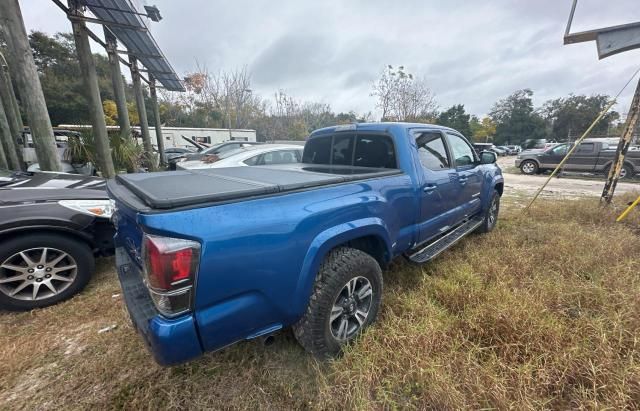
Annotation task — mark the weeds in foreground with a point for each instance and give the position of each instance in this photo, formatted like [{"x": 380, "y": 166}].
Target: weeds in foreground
[{"x": 544, "y": 312}]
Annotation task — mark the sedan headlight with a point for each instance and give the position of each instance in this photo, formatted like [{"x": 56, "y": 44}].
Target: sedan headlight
[{"x": 97, "y": 208}]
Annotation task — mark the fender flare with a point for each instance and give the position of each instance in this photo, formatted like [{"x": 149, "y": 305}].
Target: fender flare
[{"x": 325, "y": 242}]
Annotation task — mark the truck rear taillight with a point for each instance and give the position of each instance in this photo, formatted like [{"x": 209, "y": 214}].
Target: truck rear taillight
[{"x": 170, "y": 266}]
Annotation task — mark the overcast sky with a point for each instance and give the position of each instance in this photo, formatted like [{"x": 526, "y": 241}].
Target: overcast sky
[{"x": 470, "y": 52}]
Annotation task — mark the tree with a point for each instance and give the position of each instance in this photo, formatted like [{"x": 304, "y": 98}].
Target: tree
[
  {"x": 57, "y": 64},
  {"x": 484, "y": 130},
  {"x": 456, "y": 118},
  {"x": 516, "y": 120},
  {"x": 568, "y": 118},
  {"x": 402, "y": 97}
]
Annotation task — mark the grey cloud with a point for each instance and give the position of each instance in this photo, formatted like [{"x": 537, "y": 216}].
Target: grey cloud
[{"x": 470, "y": 52}]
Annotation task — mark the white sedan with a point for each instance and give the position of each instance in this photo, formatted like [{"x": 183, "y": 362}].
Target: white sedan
[{"x": 258, "y": 155}]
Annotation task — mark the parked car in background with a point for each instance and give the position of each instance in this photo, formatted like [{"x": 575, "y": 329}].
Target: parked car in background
[
  {"x": 214, "y": 150},
  {"x": 515, "y": 149},
  {"x": 480, "y": 147},
  {"x": 52, "y": 225},
  {"x": 209, "y": 258},
  {"x": 508, "y": 151},
  {"x": 591, "y": 156},
  {"x": 173, "y": 152},
  {"x": 252, "y": 155}
]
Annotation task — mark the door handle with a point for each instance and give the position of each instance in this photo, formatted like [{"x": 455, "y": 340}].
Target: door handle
[
  {"x": 429, "y": 188},
  {"x": 463, "y": 180}
]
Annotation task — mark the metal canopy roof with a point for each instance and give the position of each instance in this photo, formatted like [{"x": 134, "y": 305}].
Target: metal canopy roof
[{"x": 131, "y": 30}]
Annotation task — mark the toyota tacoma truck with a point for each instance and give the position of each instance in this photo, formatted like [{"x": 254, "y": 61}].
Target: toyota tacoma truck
[{"x": 207, "y": 258}]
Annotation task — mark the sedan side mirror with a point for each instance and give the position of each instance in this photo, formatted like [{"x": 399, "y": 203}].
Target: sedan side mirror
[{"x": 488, "y": 157}]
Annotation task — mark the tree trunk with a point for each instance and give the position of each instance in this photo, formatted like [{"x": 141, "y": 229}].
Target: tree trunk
[
  {"x": 142, "y": 114},
  {"x": 23, "y": 70},
  {"x": 12, "y": 111},
  {"x": 92, "y": 93},
  {"x": 8, "y": 147},
  {"x": 156, "y": 119},
  {"x": 118, "y": 85}
]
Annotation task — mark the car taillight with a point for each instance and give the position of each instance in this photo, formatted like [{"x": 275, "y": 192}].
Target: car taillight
[{"x": 170, "y": 266}]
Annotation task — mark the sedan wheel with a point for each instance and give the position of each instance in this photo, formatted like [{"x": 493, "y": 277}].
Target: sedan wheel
[
  {"x": 37, "y": 270},
  {"x": 37, "y": 273}
]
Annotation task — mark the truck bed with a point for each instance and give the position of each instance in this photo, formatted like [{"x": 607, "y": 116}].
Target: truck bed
[{"x": 167, "y": 190}]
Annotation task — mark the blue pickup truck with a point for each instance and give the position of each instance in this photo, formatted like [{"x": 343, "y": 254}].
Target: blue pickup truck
[{"x": 207, "y": 258}]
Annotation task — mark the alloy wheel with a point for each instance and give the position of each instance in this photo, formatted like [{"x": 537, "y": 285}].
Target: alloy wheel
[
  {"x": 351, "y": 309},
  {"x": 37, "y": 273}
]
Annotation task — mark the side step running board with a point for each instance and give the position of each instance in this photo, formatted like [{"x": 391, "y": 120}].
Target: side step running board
[{"x": 436, "y": 247}]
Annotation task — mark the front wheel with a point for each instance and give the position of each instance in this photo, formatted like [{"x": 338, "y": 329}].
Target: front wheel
[
  {"x": 491, "y": 214},
  {"x": 529, "y": 167},
  {"x": 38, "y": 270},
  {"x": 345, "y": 300},
  {"x": 626, "y": 172}
]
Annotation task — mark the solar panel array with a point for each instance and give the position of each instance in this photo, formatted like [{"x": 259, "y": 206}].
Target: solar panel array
[{"x": 136, "y": 38}]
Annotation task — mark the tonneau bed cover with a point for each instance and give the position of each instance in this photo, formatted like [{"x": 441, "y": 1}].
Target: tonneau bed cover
[{"x": 173, "y": 189}]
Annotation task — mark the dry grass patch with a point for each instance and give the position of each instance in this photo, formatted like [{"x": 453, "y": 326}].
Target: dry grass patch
[{"x": 544, "y": 312}]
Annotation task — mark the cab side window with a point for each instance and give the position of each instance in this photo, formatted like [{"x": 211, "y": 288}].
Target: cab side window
[
  {"x": 461, "y": 151},
  {"x": 431, "y": 151}
]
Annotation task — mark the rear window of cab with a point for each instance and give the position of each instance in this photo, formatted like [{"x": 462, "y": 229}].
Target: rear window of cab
[{"x": 351, "y": 149}]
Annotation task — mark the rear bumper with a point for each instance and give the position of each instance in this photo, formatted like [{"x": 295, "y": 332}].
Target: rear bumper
[
  {"x": 171, "y": 341},
  {"x": 518, "y": 161}
]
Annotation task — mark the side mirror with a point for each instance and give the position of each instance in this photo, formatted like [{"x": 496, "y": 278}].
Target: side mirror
[{"x": 488, "y": 157}]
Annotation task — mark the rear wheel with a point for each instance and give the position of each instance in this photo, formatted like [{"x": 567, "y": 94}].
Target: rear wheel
[
  {"x": 39, "y": 270},
  {"x": 345, "y": 300},
  {"x": 626, "y": 172},
  {"x": 529, "y": 167}
]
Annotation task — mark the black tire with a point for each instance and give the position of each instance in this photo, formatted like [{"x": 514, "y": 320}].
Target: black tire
[
  {"x": 625, "y": 174},
  {"x": 79, "y": 254},
  {"x": 529, "y": 167},
  {"x": 315, "y": 330},
  {"x": 489, "y": 223}
]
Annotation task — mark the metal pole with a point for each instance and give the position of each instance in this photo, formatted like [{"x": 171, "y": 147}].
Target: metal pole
[
  {"x": 6, "y": 138},
  {"x": 23, "y": 71},
  {"x": 142, "y": 113},
  {"x": 623, "y": 146},
  {"x": 12, "y": 111},
  {"x": 156, "y": 119},
  {"x": 118, "y": 84},
  {"x": 92, "y": 92}
]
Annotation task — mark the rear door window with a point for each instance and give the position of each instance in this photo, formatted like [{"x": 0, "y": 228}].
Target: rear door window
[{"x": 586, "y": 148}]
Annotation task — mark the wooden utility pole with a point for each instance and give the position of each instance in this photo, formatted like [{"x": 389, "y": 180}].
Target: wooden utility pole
[
  {"x": 156, "y": 119},
  {"x": 623, "y": 147},
  {"x": 8, "y": 146},
  {"x": 23, "y": 71},
  {"x": 118, "y": 84},
  {"x": 142, "y": 113},
  {"x": 12, "y": 111},
  {"x": 92, "y": 92},
  {"x": 3, "y": 159}
]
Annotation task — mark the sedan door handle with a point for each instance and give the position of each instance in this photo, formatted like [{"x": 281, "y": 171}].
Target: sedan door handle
[{"x": 429, "y": 188}]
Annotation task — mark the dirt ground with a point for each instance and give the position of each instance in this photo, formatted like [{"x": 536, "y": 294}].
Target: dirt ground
[{"x": 572, "y": 186}]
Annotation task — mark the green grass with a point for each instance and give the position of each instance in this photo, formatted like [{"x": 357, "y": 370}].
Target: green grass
[{"x": 544, "y": 312}]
